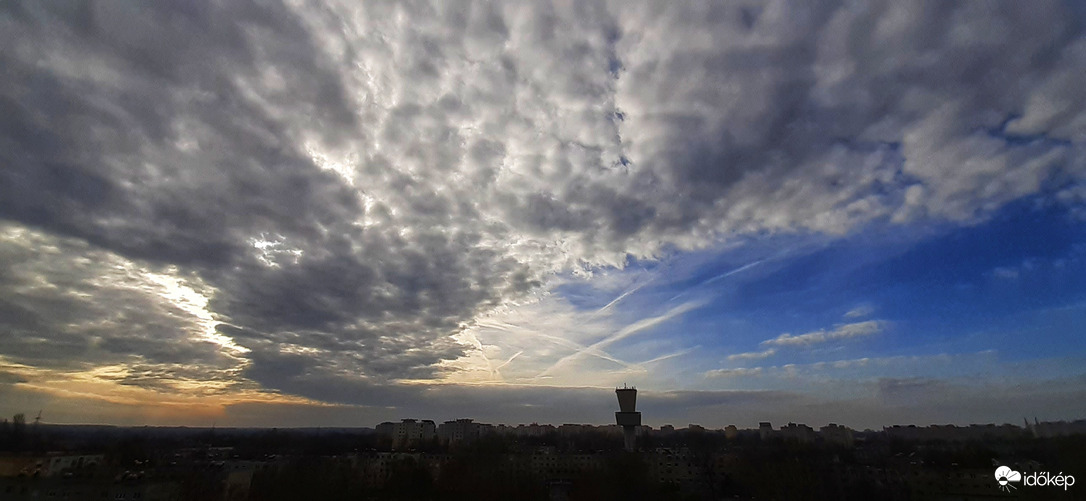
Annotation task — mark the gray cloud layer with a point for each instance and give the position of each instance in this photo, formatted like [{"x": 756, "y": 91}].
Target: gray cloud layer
[{"x": 349, "y": 184}]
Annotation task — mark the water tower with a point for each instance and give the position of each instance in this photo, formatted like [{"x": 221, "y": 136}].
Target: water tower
[{"x": 627, "y": 417}]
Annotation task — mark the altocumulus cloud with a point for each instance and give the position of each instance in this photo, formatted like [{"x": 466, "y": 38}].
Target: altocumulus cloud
[
  {"x": 286, "y": 195},
  {"x": 845, "y": 331}
]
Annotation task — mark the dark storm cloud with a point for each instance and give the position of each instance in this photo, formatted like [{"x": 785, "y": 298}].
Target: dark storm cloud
[{"x": 350, "y": 184}]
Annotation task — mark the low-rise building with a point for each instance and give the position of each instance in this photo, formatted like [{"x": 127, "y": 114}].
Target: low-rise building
[
  {"x": 836, "y": 434},
  {"x": 798, "y": 432},
  {"x": 765, "y": 430}
]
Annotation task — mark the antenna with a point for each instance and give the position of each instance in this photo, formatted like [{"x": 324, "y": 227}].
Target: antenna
[{"x": 37, "y": 420}]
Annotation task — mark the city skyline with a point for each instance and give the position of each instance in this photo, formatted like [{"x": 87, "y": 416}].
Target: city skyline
[{"x": 295, "y": 215}]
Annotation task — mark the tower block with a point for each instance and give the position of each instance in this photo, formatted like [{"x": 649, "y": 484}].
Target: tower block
[{"x": 628, "y": 418}]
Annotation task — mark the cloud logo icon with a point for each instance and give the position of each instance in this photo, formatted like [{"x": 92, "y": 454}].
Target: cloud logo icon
[{"x": 1004, "y": 475}]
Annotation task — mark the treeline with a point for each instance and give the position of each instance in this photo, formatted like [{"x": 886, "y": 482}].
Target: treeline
[
  {"x": 16, "y": 436},
  {"x": 467, "y": 474}
]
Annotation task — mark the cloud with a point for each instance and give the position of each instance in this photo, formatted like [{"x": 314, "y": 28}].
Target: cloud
[
  {"x": 625, "y": 332},
  {"x": 8, "y": 378},
  {"x": 349, "y": 186},
  {"x": 753, "y": 355},
  {"x": 860, "y": 311},
  {"x": 832, "y": 378},
  {"x": 914, "y": 387},
  {"x": 719, "y": 373},
  {"x": 72, "y": 307},
  {"x": 845, "y": 331}
]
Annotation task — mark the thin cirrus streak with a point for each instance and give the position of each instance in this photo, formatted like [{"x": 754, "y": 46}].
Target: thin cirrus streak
[{"x": 623, "y": 333}]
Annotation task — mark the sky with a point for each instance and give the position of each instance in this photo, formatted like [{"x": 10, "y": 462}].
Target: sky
[{"x": 296, "y": 213}]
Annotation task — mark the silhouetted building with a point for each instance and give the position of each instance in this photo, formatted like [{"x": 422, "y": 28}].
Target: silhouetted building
[
  {"x": 765, "y": 430},
  {"x": 1058, "y": 428},
  {"x": 676, "y": 467},
  {"x": 798, "y": 432},
  {"x": 531, "y": 430},
  {"x": 837, "y": 434},
  {"x": 408, "y": 431},
  {"x": 627, "y": 417},
  {"x": 459, "y": 431},
  {"x": 954, "y": 433},
  {"x": 547, "y": 463},
  {"x": 567, "y": 430}
]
